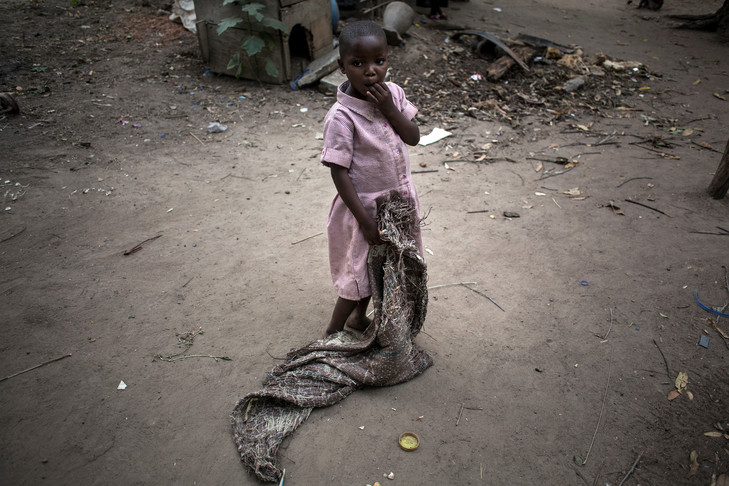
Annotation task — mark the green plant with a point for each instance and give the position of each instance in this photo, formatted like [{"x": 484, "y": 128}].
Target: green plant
[{"x": 254, "y": 42}]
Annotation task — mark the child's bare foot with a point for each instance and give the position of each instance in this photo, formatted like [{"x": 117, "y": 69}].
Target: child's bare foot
[
  {"x": 328, "y": 331},
  {"x": 358, "y": 323}
]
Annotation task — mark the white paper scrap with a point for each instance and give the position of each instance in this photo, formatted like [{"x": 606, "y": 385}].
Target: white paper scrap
[
  {"x": 434, "y": 136},
  {"x": 122, "y": 385}
]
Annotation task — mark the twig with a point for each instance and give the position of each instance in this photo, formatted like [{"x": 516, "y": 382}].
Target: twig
[
  {"x": 170, "y": 359},
  {"x": 185, "y": 285},
  {"x": 139, "y": 246},
  {"x": 632, "y": 179},
  {"x": 602, "y": 410},
  {"x": 440, "y": 286},
  {"x": 665, "y": 361},
  {"x": 604, "y": 141},
  {"x": 706, "y": 147},
  {"x": 554, "y": 160},
  {"x": 368, "y": 10},
  {"x": 698, "y": 119},
  {"x": 12, "y": 236},
  {"x": 423, "y": 171},
  {"x": 708, "y": 233},
  {"x": 491, "y": 159},
  {"x": 611, "y": 323},
  {"x": 547, "y": 176},
  {"x": 519, "y": 176},
  {"x": 459, "y": 415},
  {"x": 195, "y": 137},
  {"x": 484, "y": 295},
  {"x": 646, "y": 206},
  {"x": 36, "y": 366},
  {"x": 662, "y": 154},
  {"x": 307, "y": 238},
  {"x": 631, "y": 469},
  {"x": 479, "y": 211},
  {"x": 555, "y": 202}
]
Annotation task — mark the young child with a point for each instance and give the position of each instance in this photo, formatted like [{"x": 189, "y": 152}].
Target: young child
[{"x": 365, "y": 133}]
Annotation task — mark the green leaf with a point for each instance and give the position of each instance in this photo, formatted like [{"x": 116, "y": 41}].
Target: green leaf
[
  {"x": 271, "y": 69},
  {"x": 226, "y": 24},
  {"x": 275, "y": 24},
  {"x": 253, "y": 9},
  {"x": 234, "y": 61},
  {"x": 270, "y": 43},
  {"x": 252, "y": 45}
]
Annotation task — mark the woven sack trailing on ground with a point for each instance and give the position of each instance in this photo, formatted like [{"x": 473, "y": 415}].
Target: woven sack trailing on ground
[{"x": 328, "y": 370}]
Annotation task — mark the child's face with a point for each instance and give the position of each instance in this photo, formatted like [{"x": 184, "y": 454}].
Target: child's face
[{"x": 364, "y": 63}]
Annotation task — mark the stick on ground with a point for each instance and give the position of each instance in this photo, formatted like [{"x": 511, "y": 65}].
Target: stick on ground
[
  {"x": 665, "y": 361},
  {"x": 36, "y": 366},
  {"x": 631, "y": 469},
  {"x": 602, "y": 410}
]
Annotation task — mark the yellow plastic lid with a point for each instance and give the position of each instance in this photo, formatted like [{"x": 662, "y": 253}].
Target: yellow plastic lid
[{"x": 409, "y": 441}]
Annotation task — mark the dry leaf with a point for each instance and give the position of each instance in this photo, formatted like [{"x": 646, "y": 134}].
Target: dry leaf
[
  {"x": 713, "y": 433},
  {"x": 575, "y": 191},
  {"x": 690, "y": 395},
  {"x": 681, "y": 382},
  {"x": 722, "y": 480},
  {"x": 673, "y": 394},
  {"x": 694, "y": 456},
  {"x": 719, "y": 96},
  {"x": 539, "y": 167},
  {"x": 615, "y": 209}
]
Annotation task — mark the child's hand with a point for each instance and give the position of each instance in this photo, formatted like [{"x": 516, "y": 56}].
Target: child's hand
[
  {"x": 382, "y": 98},
  {"x": 371, "y": 233}
]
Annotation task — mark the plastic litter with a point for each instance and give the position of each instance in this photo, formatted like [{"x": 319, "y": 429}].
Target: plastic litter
[
  {"x": 434, "y": 136},
  {"x": 216, "y": 127}
]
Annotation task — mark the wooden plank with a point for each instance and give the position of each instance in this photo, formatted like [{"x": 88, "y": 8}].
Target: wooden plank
[{"x": 220, "y": 49}]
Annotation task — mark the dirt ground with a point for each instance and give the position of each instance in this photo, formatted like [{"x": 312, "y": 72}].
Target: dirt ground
[{"x": 595, "y": 314}]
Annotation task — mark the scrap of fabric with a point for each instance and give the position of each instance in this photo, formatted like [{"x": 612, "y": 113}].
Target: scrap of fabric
[{"x": 328, "y": 370}]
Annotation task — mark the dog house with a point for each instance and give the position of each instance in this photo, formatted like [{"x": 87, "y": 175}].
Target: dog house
[{"x": 309, "y": 37}]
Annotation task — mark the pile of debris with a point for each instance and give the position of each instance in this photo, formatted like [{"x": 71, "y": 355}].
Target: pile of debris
[{"x": 476, "y": 74}]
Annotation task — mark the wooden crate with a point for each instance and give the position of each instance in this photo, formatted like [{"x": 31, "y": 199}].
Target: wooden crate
[{"x": 310, "y": 36}]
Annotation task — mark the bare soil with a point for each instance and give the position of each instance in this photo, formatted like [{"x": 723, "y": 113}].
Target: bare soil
[{"x": 599, "y": 317}]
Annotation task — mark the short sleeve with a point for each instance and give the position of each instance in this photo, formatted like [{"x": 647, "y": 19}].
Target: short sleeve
[
  {"x": 338, "y": 139},
  {"x": 398, "y": 96}
]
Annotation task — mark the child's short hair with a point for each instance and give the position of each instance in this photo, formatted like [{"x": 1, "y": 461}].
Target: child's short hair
[{"x": 355, "y": 30}]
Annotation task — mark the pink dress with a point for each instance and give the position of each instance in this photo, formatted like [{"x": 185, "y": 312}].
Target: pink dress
[{"x": 359, "y": 137}]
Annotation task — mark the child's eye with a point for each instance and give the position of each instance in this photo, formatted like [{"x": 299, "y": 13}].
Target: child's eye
[
  {"x": 357, "y": 63},
  {"x": 381, "y": 61}
]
